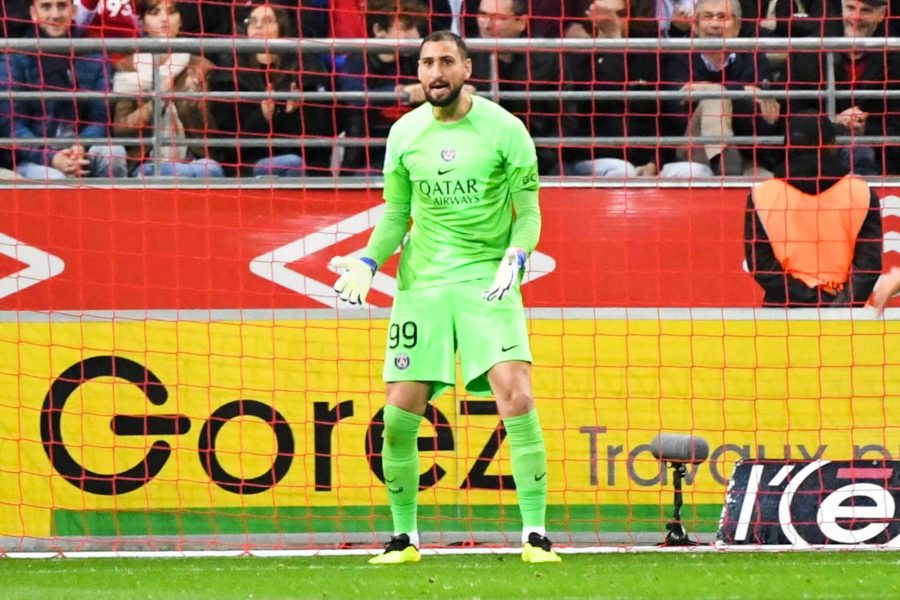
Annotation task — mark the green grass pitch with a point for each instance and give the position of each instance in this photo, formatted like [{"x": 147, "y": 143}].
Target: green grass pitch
[{"x": 848, "y": 574}]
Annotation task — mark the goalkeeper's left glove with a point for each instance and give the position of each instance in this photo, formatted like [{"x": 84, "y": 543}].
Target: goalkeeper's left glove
[
  {"x": 507, "y": 275},
  {"x": 353, "y": 285}
]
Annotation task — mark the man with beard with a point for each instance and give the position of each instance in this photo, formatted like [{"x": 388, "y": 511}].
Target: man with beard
[
  {"x": 465, "y": 169},
  {"x": 522, "y": 71},
  {"x": 857, "y": 69}
]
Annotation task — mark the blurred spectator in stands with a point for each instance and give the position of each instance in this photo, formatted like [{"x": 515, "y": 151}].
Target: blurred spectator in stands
[
  {"x": 348, "y": 18},
  {"x": 270, "y": 119},
  {"x": 719, "y": 117},
  {"x": 381, "y": 72},
  {"x": 602, "y": 71},
  {"x": 800, "y": 18},
  {"x": 856, "y": 70},
  {"x": 794, "y": 18},
  {"x": 521, "y": 71},
  {"x": 179, "y": 119},
  {"x": 15, "y": 19},
  {"x": 47, "y": 121},
  {"x": 813, "y": 235},
  {"x": 576, "y": 22},
  {"x": 312, "y": 18},
  {"x": 459, "y": 16},
  {"x": 107, "y": 19},
  {"x": 670, "y": 18},
  {"x": 674, "y": 17}
]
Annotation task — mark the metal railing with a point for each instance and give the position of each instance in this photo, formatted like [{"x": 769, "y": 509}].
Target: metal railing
[{"x": 158, "y": 46}]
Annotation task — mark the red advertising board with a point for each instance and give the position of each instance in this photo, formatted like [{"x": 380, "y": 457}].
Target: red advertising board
[{"x": 193, "y": 249}]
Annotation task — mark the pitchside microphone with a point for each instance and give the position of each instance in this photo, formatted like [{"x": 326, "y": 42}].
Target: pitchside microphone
[{"x": 679, "y": 448}]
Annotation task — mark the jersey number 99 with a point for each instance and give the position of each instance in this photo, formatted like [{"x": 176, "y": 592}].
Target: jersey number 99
[{"x": 407, "y": 333}]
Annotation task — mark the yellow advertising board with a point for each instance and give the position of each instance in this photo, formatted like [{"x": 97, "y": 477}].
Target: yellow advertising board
[{"x": 187, "y": 416}]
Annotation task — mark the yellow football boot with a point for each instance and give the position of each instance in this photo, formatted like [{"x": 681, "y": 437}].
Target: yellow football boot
[
  {"x": 397, "y": 551},
  {"x": 538, "y": 549}
]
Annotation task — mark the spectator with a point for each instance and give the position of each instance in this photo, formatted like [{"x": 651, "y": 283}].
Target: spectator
[
  {"x": 312, "y": 18},
  {"x": 99, "y": 19},
  {"x": 459, "y": 16},
  {"x": 800, "y": 18},
  {"x": 856, "y": 70},
  {"x": 70, "y": 119},
  {"x": 382, "y": 72},
  {"x": 604, "y": 71},
  {"x": 521, "y": 72},
  {"x": 718, "y": 71},
  {"x": 632, "y": 19},
  {"x": 795, "y": 18},
  {"x": 674, "y": 17},
  {"x": 348, "y": 18},
  {"x": 812, "y": 235},
  {"x": 180, "y": 119},
  {"x": 274, "y": 119}
]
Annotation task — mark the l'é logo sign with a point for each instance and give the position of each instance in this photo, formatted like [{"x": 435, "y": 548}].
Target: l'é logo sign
[
  {"x": 39, "y": 265},
  {"x": 273, "y": 265},
  {"x": 804, "y": 504}
]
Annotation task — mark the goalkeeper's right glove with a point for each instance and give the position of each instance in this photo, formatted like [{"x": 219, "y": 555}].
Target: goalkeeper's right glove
[
  {"x": 507, "y": 276},
  {"x": 353, "y": 285}
]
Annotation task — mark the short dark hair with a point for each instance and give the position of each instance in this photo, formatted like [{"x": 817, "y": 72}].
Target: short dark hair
[
  {"x": 445, "y": 35},
  {"x": 384, "y": 12},
  {"x": 143, "y": 6}
]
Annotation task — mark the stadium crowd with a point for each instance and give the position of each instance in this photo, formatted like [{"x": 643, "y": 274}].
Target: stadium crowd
[{"x": 36, "y": 126}]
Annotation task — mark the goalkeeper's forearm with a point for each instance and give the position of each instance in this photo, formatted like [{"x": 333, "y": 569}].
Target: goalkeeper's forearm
[
  {"x": 388, "y": 232},
  {"x": 527, "y": 228}
]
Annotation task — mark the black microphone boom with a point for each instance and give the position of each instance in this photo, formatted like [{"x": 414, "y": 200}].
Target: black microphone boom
[{"x": 679, "y": 448}]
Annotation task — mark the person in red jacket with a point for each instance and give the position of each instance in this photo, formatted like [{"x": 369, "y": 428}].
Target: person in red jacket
[
  {"x": 812, "y": 234},
  {"x": 107, "y": 18}
]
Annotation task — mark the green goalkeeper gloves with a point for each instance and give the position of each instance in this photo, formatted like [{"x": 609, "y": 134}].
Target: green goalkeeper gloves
[
  {"x": 507, "y": 275},
  {"x": 353, "y": 285}
]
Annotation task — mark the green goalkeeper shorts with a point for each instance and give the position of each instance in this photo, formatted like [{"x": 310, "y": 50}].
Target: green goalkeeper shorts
[{"x": 428, "y": 326}]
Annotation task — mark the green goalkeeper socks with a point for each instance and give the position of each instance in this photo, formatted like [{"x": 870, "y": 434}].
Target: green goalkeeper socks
[
  {"x": 400, "y": 459},
  {"x": 529, "y": 467}
]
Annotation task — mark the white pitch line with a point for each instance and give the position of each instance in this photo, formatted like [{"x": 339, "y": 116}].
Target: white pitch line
[{"x": 571, "y": 550}]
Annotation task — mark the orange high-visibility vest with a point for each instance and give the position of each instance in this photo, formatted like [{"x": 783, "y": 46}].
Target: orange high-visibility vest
[{"x": 813, "y": 237}]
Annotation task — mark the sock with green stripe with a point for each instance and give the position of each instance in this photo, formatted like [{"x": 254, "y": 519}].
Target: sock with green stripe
[
  {"x": 400, "y": 460},
  {"x": 529, "y": 466}
]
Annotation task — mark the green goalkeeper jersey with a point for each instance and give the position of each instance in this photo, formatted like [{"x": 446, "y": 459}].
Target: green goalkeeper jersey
[{"x": 471, "y": 187}]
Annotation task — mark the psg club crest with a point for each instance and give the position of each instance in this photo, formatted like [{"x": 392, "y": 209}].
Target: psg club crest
[
  {"x": 401, "y": 361},
  {"x": 448, "y": 154}
]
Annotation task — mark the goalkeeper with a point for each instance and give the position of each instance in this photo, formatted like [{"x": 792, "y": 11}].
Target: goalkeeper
[{"x": 465, "y": 170}]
